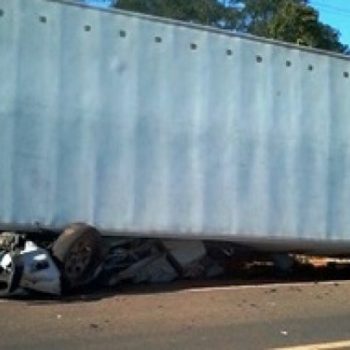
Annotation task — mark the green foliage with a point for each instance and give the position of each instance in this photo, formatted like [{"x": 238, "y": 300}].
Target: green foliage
[
  {"x": 293, "y": 21},
  {"x": 207, "y": 12},
  {"x": 256, "y": 16}
]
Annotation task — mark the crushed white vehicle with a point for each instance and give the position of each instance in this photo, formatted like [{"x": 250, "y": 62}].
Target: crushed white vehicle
[
  {"x": 25, "y": 266},
  {"x": 79, "y": 257},
  {"x": 72, "y": 260}
]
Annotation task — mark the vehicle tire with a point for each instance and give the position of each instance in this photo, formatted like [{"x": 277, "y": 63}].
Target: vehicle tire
[{"x": 79, "y": 253}]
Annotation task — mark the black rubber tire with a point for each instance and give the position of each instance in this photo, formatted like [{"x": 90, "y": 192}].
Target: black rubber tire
[{"x": 78, "y": 241}]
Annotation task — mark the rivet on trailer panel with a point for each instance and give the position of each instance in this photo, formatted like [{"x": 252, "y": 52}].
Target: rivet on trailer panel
[
  {"x": 288, "y": 63},
  {"x": 259, "y": 59},
  {"x": 158, "y": 39},
  {"x": 229, "y": 52},
  {"x": 122, "y": 33},
  {"x": 87, "y": 28},
  {"x": 346, "y": 74},
  {"x": 193, "y": 46},
  {"x": 42, "y": 19}
]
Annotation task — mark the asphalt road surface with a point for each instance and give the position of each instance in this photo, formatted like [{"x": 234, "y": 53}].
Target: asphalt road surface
[{"x": 294, "y": 316}]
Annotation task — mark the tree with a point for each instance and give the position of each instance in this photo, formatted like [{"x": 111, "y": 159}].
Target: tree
[
  {"x": 207, "y": 12},
  {"x": 255, "y": 16},
  {"x": 294, "y": 21}
]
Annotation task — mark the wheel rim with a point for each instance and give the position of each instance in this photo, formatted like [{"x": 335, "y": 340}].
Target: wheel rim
[{"x": 78, "y": 260}]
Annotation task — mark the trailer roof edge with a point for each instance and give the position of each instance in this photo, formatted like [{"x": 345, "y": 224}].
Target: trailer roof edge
[{"x": 204, "y": 28}]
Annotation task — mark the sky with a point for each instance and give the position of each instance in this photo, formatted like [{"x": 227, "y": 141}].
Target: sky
[
  {"x": 333, "y": 12},
  {"x": 100, "y": 3}
]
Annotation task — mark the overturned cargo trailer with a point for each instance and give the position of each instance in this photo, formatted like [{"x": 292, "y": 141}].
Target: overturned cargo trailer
[{"x": 152, "y": 127}]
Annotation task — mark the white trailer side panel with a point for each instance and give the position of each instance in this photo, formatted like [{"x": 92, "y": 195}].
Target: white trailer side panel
[{"x": 142, "y": 125}]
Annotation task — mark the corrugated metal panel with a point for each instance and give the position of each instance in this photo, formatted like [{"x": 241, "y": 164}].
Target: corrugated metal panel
[{"x": 136, "y": 125}]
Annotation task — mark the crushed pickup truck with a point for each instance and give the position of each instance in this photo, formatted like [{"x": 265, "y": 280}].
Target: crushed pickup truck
[{"x": 79, "y": 256}]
